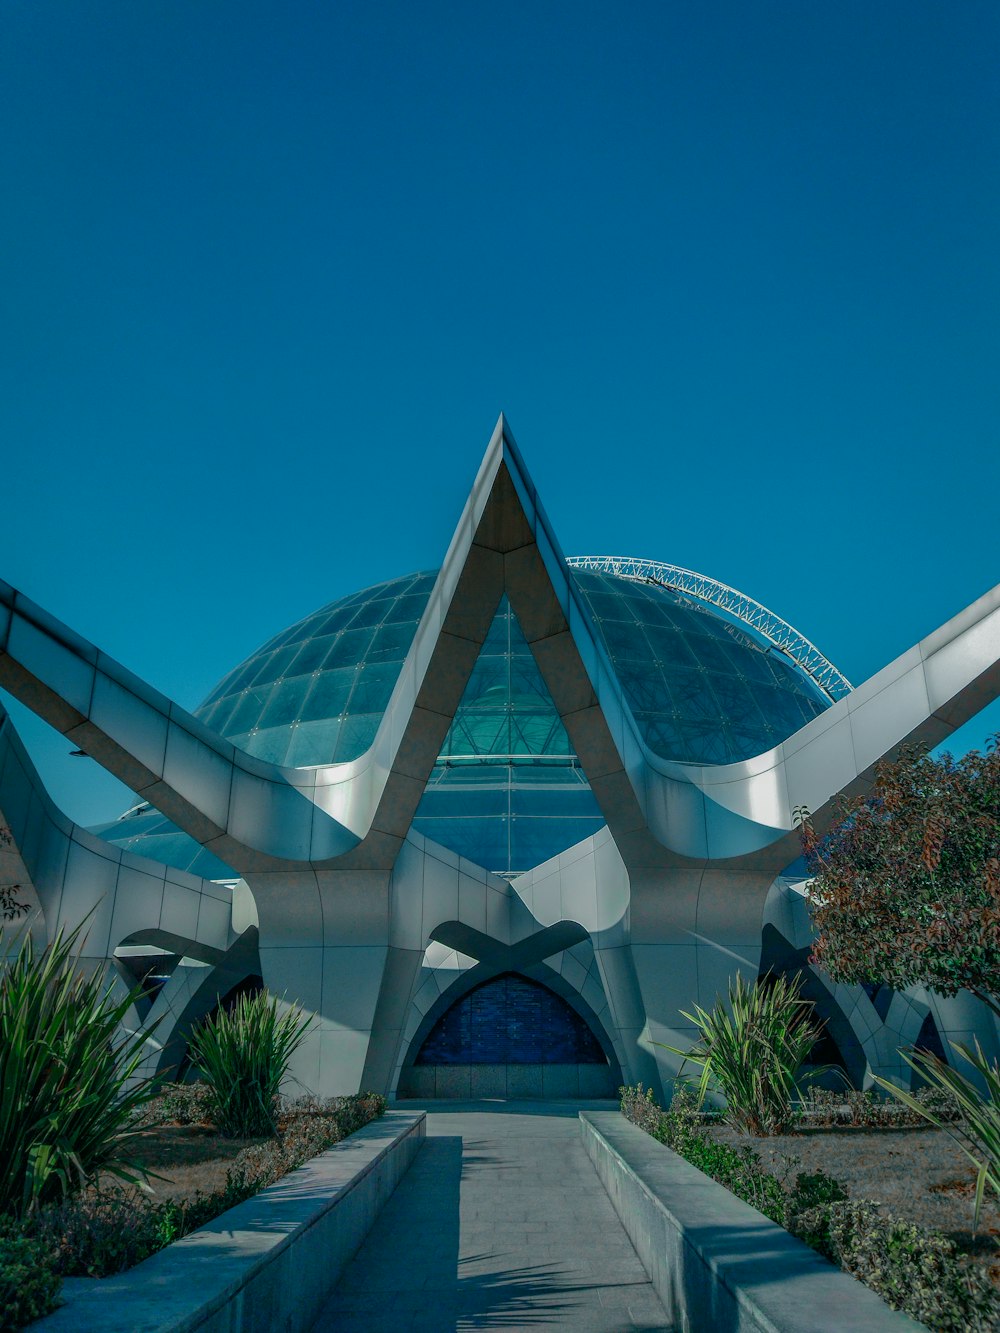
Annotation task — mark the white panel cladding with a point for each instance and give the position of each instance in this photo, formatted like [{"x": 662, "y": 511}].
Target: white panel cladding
[{"x": 332, "y": 899}]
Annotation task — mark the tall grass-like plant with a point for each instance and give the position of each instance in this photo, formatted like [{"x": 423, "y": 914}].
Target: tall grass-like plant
[
  {"x": 977, "y": 1133},
  {"x": 751, "y": 1048},
  {"x": 243, "y": 1054},
  {"x": 67, "y": 1095}
]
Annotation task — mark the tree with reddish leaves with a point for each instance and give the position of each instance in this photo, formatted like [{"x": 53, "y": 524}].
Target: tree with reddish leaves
[{"x": 907, "y": 883}]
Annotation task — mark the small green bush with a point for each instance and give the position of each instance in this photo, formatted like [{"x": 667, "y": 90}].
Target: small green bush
[
  {"x": 185, "y": 1103},
  {"x": 29, "y": 1286},
  {"x": 913, "y": 1270},
  {"x": 807, "y": 1212},
  {"x": 870, "y": 1109},
  {"x": 102, "y": 1233},
  {"x": 244, "y": 1054}
]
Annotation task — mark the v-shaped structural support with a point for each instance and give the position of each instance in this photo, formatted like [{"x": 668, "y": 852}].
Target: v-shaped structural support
[
  {"x": 349, "y": 896},
  {"x": 256, "y": 815}
]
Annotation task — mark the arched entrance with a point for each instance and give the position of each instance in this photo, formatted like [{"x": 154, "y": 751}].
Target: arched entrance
[{"x": 510, "y": 1036}]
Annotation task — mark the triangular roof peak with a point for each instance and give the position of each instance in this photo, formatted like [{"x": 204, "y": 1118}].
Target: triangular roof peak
[{"x": 255, "y": 815}]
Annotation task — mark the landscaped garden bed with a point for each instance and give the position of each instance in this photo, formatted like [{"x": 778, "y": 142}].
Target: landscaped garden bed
[
  {"x": 107, "y": 1228},
  {"x": 891, "y": 1203},
  {"x": 83, "y": 1138}
]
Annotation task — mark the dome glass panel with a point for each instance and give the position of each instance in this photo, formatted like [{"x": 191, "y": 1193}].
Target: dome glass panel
[{"x": 507, "y": 790}]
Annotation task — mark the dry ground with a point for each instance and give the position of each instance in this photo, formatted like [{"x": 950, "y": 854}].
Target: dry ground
[
  {"x": 918, "y": 1174},
  {"x": 191, "y": 1158}
]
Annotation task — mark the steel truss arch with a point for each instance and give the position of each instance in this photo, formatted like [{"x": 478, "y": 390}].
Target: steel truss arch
[{"x": 782, "y": 636}]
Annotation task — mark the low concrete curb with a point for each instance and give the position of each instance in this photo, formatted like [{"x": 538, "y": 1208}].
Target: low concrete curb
[
  {"x": 266, "y": 1266},
  {"x": 715, "y": 1262}
]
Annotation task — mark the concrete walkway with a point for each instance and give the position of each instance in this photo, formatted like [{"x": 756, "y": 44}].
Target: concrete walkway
[{"x": 501, "y": 1223}]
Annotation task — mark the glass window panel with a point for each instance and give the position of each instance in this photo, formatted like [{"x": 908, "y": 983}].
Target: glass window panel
[
  {"x": 670, "y": 646},
  {"x": 606, "y": 606},
  {"x": 337, "y": 618},
  {"x": 285, "y": 704},
  {"x": 247, "y": 712},
  {"x": 538, "y": 733},
  {"x": 313, "y": 743},
  {"x": 349, "y": 648},
  {"x": 550, "y": 775},
  {"x": 711, "y": 654},
  {"x": 533, "y": 841},
  {"x": 409, "y": 608},
  {"x": 391, "y": 643},
  {"x": 712, "y": 625},
  {"x": 272, "y": 666},
  {"x": 329, "y": 695},
  {"x": 780, "y": 708},
  {"x": 310, "y": 656},
  {"x": 479, "y": 733},
  {"x": 665, "y": 737},
  {"x": 625, "y": 641},
  {"x": 736, "y": 698},
  {"x": 748, "y": 741},
  {"x": 218, "y": 715},
  {"x": 483, "y": 841},
  {"x": 373, "y": 686},
  {"x": 270, "y": 745},
  {"x": 753, "y": 664},
  {"x": 487, "y": 685},
  {"x": 561, "y": 802},
  {"x": 356, "y": 736},
  {"x": 501, "y": 628},
  {"x": 369, "y": 614},
  {"x": 644, "y": 688},
  {"x": 468, "y": 802}
]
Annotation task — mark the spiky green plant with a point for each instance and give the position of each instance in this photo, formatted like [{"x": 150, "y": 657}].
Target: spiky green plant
[
  {"x": 977, "y": 1133},
  {"x": 751, "y": 1047},
  {"x": 243, "y": 1054},
  {"x": 68, "y": 1090}
]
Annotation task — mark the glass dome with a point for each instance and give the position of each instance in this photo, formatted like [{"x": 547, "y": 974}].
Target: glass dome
[{"x": 507, "y": 790}]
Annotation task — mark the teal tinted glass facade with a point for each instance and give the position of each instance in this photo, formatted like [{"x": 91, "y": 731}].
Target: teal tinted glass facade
[
  {"x": 507, "y": 791},
  {"x": 315, "y": 693},
  {"x": 702, "y": 689},
  {"x": 148, "y": 833}
]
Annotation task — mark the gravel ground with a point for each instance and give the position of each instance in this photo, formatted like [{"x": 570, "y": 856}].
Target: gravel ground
[
  {"x": 189, "y": 1157},
  {"x": 919, "y": 1174}
]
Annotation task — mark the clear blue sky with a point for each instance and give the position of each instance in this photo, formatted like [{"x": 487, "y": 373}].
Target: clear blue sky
[{"x": 270, "y": 272}]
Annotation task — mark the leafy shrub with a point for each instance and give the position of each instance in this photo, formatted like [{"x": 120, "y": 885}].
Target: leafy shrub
[
  {"x": 29, "y": 1287},
  {"x": 185, "y": 1103},
  {"x": 739, "y": 1169},
  {"x": 243, "y": 1054},
  {"x": 807, "y": 1213},
  {"x": 912, "y": 1269},
  {"x": 752, "y": 1047},
  {"x": 176, "y": 1104},
  {"x": 821, "y": 1107},
  {"x": 101, "y": 1233},
  {"x": 67, "y": 1100},
  {"x": 104, "y": 1233}
]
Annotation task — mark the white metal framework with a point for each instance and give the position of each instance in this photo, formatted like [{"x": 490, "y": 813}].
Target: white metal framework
[{"x": 778, "y": 632}]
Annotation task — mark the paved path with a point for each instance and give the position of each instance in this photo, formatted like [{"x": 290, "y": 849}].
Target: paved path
[{"x": 500, "y": 1223}]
